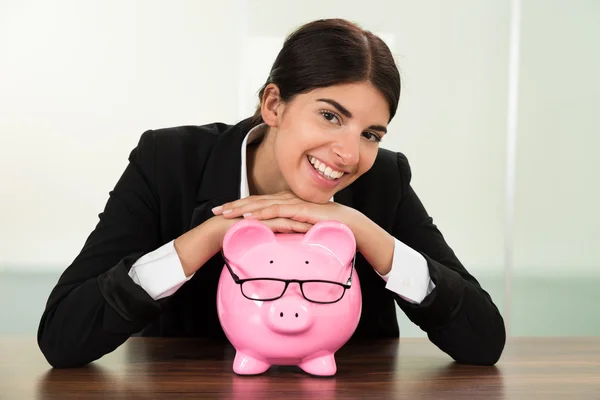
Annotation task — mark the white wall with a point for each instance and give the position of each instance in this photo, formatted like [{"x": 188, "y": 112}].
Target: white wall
[
  {"x": 557, "y": 220},
  {"x": 80, "y": 82}
]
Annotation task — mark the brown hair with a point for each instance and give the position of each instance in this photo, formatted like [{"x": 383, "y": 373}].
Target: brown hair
[{"x": 329, "y": 52}]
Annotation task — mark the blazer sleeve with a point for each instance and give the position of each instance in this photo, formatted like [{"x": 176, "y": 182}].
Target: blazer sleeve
[
  {"x": 458, "y": 316},
  {"x": 95, "y": 305}
]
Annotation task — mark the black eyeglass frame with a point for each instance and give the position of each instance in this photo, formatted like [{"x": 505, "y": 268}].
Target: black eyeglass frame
[{"x": 287, "y": 282}]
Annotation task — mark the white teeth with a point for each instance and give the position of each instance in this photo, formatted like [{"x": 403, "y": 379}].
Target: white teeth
[{"x": 325, "y": 170}]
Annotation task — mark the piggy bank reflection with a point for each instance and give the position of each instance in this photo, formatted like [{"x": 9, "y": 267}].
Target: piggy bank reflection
[{"x": 288, "y": 299}]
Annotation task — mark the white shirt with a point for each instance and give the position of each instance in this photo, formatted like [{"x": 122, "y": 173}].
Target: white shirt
[{"x": 161, "y": 274}]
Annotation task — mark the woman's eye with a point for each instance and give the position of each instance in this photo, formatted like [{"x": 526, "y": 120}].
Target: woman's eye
[
  {"x": 372, "y": 137},
  {"x": 331, "y": 117}
]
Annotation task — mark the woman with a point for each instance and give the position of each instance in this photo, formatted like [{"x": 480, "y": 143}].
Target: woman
[{"x": 152, "y": 263}]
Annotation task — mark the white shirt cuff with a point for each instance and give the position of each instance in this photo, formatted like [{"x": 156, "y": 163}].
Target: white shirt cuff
[
  {"x": 409, "y": 276},
  {"x": 160, "y": 272}
]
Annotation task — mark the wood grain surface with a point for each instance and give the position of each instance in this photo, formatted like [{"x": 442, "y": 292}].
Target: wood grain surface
[{"x": 143, "y": 368}]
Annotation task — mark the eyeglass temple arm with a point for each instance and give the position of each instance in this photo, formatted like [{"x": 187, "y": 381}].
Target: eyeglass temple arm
[
  {"x": 233, "y": 274},
  {"x": 349, "y": 281}
]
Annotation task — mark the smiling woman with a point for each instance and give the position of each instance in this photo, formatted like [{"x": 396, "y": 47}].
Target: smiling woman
[
  {"x": 338, "y": 126},
  {"x": 309, "y": 154},
  {"x": 338, "y": 87}
]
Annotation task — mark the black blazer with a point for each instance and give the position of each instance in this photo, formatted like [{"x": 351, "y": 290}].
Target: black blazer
[{"x": 174, "y": 178}]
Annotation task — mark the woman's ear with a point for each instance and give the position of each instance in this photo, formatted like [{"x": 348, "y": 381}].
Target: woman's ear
[{"x": 270, "y": 105}]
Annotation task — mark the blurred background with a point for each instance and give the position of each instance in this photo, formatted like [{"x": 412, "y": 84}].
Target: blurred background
[{"x": 498, "y": 117}]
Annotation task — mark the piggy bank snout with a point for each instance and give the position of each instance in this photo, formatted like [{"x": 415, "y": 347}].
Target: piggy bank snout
[{"x": 289, "y": 315}]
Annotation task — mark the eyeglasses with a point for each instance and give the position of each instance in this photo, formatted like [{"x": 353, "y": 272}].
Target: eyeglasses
[{"x": 268, "y": 289}]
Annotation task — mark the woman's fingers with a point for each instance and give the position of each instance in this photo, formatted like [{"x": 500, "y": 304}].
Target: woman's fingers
[
  {"x": 296, "y": 211},
  {"x": 250, "y": 199},
  {"x": 240, "y": 207},
  {"x": 285, "y": 225}
]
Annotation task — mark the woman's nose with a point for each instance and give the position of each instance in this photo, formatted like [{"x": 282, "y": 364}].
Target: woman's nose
[{"x": 347, "y": 150}]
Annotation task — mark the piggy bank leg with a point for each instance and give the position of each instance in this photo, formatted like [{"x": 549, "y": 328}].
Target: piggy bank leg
[
  {"x": 321, "y": 366},
  {"x": 244, "y": 364}
]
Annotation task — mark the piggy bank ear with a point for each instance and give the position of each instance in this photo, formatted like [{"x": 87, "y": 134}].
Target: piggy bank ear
[
  {"x": 245, "y": 235},
  {"x": 334, "y": 236}
]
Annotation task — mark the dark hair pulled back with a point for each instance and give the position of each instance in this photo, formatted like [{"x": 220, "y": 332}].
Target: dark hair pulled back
[{"x": 330, "y": 52}]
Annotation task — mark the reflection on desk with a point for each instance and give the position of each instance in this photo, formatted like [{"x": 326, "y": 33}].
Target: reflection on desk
[{"x": 408, "y": 368}]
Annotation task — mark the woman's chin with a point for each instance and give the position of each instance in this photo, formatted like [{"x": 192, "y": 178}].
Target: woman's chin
[{"x": 313, "y": 196}]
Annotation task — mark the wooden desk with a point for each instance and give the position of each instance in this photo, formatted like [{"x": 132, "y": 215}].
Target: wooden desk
[{"x": 409, "y": 368}]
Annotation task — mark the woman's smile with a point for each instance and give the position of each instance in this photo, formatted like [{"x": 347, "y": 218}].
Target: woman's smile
[{"x": 321, "y": 175}]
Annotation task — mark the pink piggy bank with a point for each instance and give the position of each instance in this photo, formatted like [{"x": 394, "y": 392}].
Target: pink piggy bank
[{"x": 288, "y": 299}]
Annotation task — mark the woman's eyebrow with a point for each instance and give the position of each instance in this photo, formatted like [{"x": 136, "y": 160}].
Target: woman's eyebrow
[
  {"x": 339, "y": 107},
  {"x": 348, "y": 114}
]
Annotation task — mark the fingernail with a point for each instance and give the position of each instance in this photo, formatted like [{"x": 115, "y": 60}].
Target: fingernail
[
  {"x": 246, "y": 215},
  {"x": 227, "y": 212},
  {"x": 217, "y": 209}
]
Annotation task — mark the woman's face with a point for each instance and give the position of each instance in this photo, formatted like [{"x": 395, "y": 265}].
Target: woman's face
[{"x": 325, "y": 139}]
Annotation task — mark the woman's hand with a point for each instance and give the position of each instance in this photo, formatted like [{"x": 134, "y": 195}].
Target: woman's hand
[
  {"x": 277, "y": 225},
  {"x": 373, "y": 242},
  {"x": 285, "y": 205}
]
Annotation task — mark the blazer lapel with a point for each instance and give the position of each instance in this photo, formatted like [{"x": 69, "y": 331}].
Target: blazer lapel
[{"x": 221, "y": 179}]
